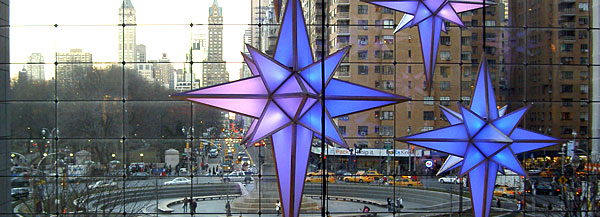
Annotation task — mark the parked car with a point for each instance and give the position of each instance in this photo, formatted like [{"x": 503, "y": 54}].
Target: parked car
[
  {"x": 17, "y": 182},
  {"x": 359, "y": 177},
  {"x": 238, "y": 176},
  {"x": 504, "y": 191},
  {"x": 103, "y": 184},
  {"x": 19, "y": 193},
  {"x": 317, "y": 177},
  {"x": 448, "y": 179},
  {"x": 405, "y": 182},
  {"x": 178, "y": 181}
]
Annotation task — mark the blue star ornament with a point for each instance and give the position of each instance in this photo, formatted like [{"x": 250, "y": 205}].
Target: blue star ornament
[
  {"x": 429, "y": 16},
  {"x": 292, "y": 97},
  {"x": 481, "y": 141}
]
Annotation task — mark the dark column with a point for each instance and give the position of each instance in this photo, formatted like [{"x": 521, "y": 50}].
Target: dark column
[{"x": 5, "y": 200}]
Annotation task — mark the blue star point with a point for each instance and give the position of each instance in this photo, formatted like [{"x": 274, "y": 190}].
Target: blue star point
[{"x": 481, "y": 141}]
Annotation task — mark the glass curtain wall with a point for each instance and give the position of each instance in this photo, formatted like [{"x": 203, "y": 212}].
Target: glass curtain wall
[{"x": 94, "y": 132}]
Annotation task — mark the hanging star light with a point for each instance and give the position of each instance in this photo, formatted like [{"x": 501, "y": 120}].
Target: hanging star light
[
  {"x": 429, "y": 16},
  {"x": 480, "y": 141},
  {"x": 288, "y": 95}
]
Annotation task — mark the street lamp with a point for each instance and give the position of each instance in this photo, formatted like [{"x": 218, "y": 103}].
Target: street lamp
[
  {"x": 142, "y": 156},
  {"x": 188, "y": 138},
  {"x": 113, "y": 155}
]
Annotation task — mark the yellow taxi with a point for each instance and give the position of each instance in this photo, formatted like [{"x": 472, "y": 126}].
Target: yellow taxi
[
  {"x": 405, "y": 182},
  {"x": 504, "y": 191},
  {"x": 373, "y": 173},
  {"x": 317, "y": 177},
  {"x": 361, "y": 176}
]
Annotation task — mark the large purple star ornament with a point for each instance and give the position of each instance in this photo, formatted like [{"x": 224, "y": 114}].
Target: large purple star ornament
[
  {"x": 429, "y": 16},
  {"x": 481, "y": 141},
  {"x": 285, "y": 97}
]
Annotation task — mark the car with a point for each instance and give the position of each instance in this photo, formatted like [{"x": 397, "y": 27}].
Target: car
[
  {"x": 405, "y": 182},
  {"x": 448, "y": 179},
  {"x": 238, "y": 176},
  {"x": 504, "y": 191},
  {"x": 103, "y": 184},
  {"x": 317, "y": 177},
  {"x": 139, "y": 175},
  {"x": 241, "y": 155},
  {"x": 373, "y": 173},
  {"x": 19, "y": 193},
  {"x": 179, "y": 181},
  {"x": 213, "y": 153},
  {"x": 17, "y": 182},
  {"x": 359, "y": 177}
]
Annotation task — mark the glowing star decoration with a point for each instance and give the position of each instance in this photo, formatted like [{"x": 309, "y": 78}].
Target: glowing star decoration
[
  {"x": 288, "y": 95},
  {"x": 481, "y": 141},
  {"x": 429, "y": 16}
]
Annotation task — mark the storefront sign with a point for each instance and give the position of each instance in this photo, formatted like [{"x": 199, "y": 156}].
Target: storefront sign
[{"x": 372, "y": 152}]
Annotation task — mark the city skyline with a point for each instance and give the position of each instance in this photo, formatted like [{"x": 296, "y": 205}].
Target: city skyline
[{"x": 29, "y": 35}]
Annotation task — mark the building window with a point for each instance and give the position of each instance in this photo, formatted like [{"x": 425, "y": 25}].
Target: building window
[
  {"x": 444, "y": 71},
  {"x": 490, "y": 23},
  {"x": 344, "y": 71},
  {"x": 428, "y": 116},
  {"x": 387, "y": 70},
  {"x": 387, "y": 115},
  {"x": 465, "y": 40},
  {"x": 584, "y": 60},
  {"x": 342, "y": 130},
  {"x": 363, "y": 9},
  {"x": 584, "y": 48},
  {"x": 567, "y": 102},
  {"x": 428, "y": 100},
  {"x": 566, "y": 88},
  {"x": 409, "y": 69},
  {"x": 445, "y": 100},
  {"x": 444, "y": 85},
  {"x": 565, "y": 116},
  {"x": 566, "y": 75},
  {"x": 465, "y": 56},
  {"x": 445, "y": 55},
  {"x": 386, "y": 131},
  {"x": 425, "y": 129},
  {"x": 363, "y": 130},
  {"x": 377, "y": 56},
  {"x": 388, "y": 24},
  {"x": 466, "y": 100},
  {"x": 584, "y": 20},
  {"x": 566, "y": 48},
  {"x": 363, "y": 54},
  {"x": 583, "y": 75},
  {"x": 583, "y": 116},
  {"x": 388, "y": 54},
  {"x": 363, "y": 24},
  {"x": 445, "y": 40},
  {"x": 388, "y": 39},
  {"x": 363, "y": 39},
  {"x": 344, "y": 118},
  {"x": 409, "y": 114},
  {"x": 583, "y": 6},
  {"x": 363, "y": 70},
  {"x": 387, "y": 11},
  {"x": 583, "y": 88}
]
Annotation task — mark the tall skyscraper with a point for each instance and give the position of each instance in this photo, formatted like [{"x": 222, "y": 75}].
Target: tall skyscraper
[
  {"x": 140, "y": 53},
  {"x": 264, "y": 36},
  {"x": 214, "y": 71},
  {"x": 127, "y": 35},
  {"x": 35, "y": 67},
  {"x": 72, "y": 66},
  {"x": 164, "y": 73},
  {"x": 199, "y": 53},
  {"x": 245, "y": 71}
]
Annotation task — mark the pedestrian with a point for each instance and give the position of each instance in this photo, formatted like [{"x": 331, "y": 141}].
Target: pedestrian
[
  {"x": 193, "y": 206},
  {"x": 498, "y": 204},
  {"x": 518, "y": 205},
  {"x": 228, "y": 208},
  {"x": 389, "y": 204},
  {"x": 278, "y": 208},
  {"x": 185, "y": 204}
]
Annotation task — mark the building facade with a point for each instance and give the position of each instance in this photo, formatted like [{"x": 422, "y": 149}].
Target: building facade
[
  {"x": 72, "y": 67},
  {"x": 214, "y": 71},
  {"x": 35, "y": 67},
  {"x": 127, "y": 35}
]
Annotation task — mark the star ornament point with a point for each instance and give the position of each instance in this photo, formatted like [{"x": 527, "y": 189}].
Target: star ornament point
[
  {"x": 430, "y": 17},
  {"x": 482, "y": 141},
  {"x": 292, "y": 96}
]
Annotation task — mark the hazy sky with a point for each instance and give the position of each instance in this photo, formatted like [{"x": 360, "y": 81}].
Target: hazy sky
[{"x": 92, "y": 26}]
